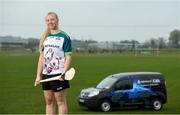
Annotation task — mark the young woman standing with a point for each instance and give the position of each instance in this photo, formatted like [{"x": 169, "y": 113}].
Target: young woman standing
[{"x": 55, "y": 59}]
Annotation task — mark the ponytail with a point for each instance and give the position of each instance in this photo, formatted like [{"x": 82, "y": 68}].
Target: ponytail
[{"x": 46, "y": 33}]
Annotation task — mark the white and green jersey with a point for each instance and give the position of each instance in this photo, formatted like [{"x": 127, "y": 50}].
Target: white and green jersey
[{"x": 56, "y": 46}]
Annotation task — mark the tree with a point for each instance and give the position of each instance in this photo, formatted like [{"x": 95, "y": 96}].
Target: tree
[
  {"x": 134, "y": 44},
  {"x": 153, "y": 43},
  {"x": 33, "y": 44},
  {"x": 161, "y": 42},
  {"x": 147, "y": 44},
  {"x": 174, "y": 38}
]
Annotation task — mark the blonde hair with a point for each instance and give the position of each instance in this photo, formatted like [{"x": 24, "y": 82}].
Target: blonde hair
[{"x": 47, "y": 31}]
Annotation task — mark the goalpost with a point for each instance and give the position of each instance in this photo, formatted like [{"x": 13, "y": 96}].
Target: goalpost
[{"x": 139, "y": 49}]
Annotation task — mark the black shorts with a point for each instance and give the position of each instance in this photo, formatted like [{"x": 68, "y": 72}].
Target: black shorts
[{"x": 56, "y": 85}]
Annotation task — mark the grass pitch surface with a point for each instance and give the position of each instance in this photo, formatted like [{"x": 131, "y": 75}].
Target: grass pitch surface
[{"x": 18, "y": 72}]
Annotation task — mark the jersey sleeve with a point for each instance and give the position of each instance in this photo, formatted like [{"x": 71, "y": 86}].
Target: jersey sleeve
[{"x": 67, "y": 46}]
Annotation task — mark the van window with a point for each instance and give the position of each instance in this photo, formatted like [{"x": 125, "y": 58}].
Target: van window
[
  {"x": 124, "y": 85},
  {"x": 107, "y": 83}
]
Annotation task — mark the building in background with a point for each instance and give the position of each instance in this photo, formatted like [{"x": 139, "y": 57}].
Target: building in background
[{"x": 12, "y": 43}]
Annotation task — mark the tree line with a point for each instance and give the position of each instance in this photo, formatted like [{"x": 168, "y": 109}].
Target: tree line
[{"x": 173, "y": 41}]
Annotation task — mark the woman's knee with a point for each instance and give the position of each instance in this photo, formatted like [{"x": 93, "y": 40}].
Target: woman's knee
[
  {"x": 49, "y": 101},
  {"x": 60, "y": 98},
  {"x": 61, "y": 101},
  {"x": 49, "y": 97}
]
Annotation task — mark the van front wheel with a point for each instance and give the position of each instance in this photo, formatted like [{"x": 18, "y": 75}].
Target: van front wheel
[
  {"x": 105, "y": 105},
  {"x": 157, "y": 104}
]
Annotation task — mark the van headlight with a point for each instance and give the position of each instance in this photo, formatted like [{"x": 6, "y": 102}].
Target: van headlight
[{"x": 93, "y": 93}]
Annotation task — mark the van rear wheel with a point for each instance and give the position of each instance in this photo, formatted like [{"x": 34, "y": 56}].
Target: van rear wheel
[
  {"x": 157, "y": 104},
  {"x": 105, "y": 105}
]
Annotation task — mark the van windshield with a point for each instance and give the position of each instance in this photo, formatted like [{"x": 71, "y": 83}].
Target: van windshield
[{"x": 106, "y": 83}]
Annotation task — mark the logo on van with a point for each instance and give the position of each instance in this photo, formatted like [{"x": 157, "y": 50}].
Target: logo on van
[
  {"x": 152, "y": 82},
  {"x": 156, "y": 81},
  {"x": 148, "y": 81}
]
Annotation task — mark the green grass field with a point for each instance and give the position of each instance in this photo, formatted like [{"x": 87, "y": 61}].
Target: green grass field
[{"x": 18, "y": 71}]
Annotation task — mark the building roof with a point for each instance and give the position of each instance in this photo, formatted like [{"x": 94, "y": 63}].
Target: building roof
[{"x": 10, "y": 39}]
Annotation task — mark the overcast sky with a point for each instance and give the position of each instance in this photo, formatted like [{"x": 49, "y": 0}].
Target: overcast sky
[{"x": 101, "y": 20}]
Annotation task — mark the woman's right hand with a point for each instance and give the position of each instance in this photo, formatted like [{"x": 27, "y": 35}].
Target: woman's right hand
[{"x": 37, "y": 81}]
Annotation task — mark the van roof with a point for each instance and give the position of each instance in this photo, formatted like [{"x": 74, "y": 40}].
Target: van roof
[{"x": 134, "y": 73}]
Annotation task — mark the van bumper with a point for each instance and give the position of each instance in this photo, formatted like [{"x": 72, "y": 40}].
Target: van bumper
[{"x": 91, "y": 103}]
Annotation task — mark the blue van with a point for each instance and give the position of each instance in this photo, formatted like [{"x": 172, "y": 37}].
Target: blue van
[{"x": 143, "y": 89}]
